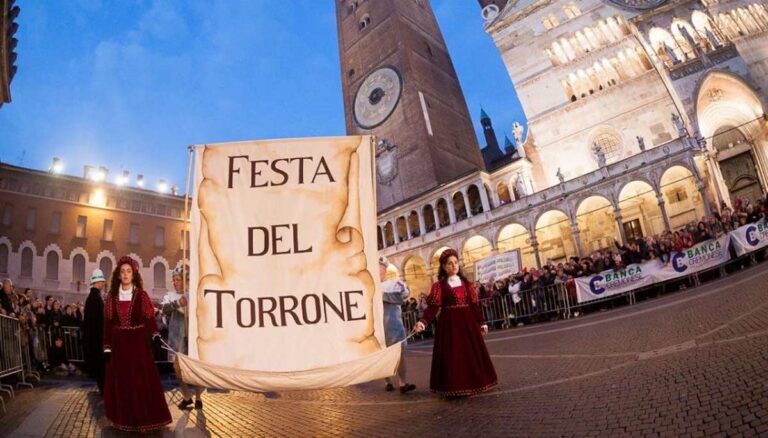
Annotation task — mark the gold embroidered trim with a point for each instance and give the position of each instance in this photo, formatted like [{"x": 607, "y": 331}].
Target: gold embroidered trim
[{"x": 465, "y": 392}]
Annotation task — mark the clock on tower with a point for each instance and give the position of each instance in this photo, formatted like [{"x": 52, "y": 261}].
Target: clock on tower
[{"x": 399, "y": 84}]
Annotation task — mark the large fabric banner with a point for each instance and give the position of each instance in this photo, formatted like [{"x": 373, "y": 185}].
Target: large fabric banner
[
  {"x": 497, "y": 267},
  {"x": 750, "y": 238},
  {"x": 284, "y": 267},
  {"x": 704, "y": 255}
]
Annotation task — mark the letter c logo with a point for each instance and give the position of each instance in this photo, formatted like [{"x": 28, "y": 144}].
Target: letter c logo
[
  {"x": 750, "y": 235},
  {"x": 675, "y": 262},
  {"x": 593, "y": 285}
]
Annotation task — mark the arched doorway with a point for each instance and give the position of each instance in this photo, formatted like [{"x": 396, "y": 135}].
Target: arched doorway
[
  {"x": 640, "y": 211},
  {"x": 442, "y": 213},
  {"x": 413, "y": 224},
  {"x": 681, "y": 196},
  {"x": 389, "y": 234},
  {"x": 597, "y": 225},
  {"x": 516, "y": 236},
  {"x": 476, "y": 248},
  {"x": 416, "y": 277},
  {"x": 503, "y": 191},
  {"x": 473, "y": 196},
  {"x": 555, "y": 238},
  {"x": 429, "y": 218},
  {"x": 459, "y": 206},
  {"x": 730, "y": 116}
]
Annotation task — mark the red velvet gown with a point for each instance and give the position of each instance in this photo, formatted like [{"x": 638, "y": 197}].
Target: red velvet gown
[
  {"x": 461, "y": 365},
  {"x": 133, "y": 395}
]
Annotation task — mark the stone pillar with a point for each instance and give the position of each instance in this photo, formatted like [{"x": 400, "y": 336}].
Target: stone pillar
[
  {"x": 383, "y": 237},
  {"x": 466, "y": 202},
  {"x": 703, "y": 192},
  {"x": 422, "y": 224},
  {"x": 577, "y": 239},
  {"x": 437, "y": 217},
  {"x": 535, "y": 246},
  {"x": 484, "y": 198},
  {"x": 430, "y": 274},
  {"x": 408, "y": 227},
  {"x": 396, "y": 231},
  {"x": 662, "y": 203},
  {"x": 451, "y": 211},
  {"x": 620, "y": 224}
]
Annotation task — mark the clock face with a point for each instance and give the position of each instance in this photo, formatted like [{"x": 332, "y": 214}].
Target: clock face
[
  {"x": 639, "y": 5},
  {"x": 377, "y": 97}
]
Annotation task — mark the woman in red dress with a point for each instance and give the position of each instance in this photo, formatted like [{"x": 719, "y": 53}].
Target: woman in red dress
[
  {"x": 133, "y": 395},
  {"x": 461, "y": 365}
]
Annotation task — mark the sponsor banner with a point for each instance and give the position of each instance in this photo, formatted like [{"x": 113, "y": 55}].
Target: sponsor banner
[
  {"x": 614, "y": 282},
  {"x": 749, "y": 238},
  {"x": 497, "y": 267},
  {"x": 699, "y": 257},
  {"x": 702, "y": 256}
]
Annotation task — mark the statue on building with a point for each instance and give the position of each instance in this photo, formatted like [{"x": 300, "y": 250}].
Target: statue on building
[
  {"x": 599, "y": 154},
  {"x": 520, "y": 186},
  {"x": 712, "y": 39},
  {"x": 517, "y": 132},
  {"x": 679, "y": 125},
  {"x": 560, "y": 176},
  {"x": 670, "y": 52},
  {"x": 641, "y": 143}
]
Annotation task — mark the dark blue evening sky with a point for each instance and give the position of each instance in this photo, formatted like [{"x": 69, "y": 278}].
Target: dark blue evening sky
[{"x": 129, "y": 84}]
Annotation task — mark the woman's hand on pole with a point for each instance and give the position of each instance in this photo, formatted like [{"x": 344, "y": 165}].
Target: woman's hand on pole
[{"x": 419, "y": 327}]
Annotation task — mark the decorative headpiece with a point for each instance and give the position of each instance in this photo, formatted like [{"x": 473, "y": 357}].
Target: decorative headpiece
[
  {"x": 130, "y": 261},
  {"x": 450, "y": 252},
  {"x": 180, "y": 272}
]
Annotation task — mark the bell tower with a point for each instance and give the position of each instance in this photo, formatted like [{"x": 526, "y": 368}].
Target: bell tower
[{"x": 399, "y": 84}]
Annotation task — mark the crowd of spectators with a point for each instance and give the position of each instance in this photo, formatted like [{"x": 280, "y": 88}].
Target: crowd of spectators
[{"x": 639, "y": 250}]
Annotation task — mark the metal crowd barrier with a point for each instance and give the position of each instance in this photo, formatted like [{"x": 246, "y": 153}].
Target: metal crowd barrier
[
  {"x": 559, "y": 300},
  {"x": 12, "y": 345}
]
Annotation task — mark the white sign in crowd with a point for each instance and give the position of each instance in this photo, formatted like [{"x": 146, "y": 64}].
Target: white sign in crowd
[
  {"x": 498, "y": 266},
  {"x": 702, "y": 256}
]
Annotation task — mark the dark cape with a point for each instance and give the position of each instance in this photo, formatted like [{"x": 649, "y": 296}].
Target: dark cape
[
  {"x": 461, "y": 365},
  {"x": 93, "y": 337}
]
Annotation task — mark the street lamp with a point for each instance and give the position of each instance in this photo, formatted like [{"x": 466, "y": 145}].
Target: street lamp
[
  {"x": 140, "y": 180},
  {"x": 122, "y": 179},
  {"x": 162, "y": 186},
  {"x": 56, "y": 166}
]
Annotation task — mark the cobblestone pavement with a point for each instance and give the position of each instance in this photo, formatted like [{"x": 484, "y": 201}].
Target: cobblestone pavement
[{"x": 694, "y": 363}]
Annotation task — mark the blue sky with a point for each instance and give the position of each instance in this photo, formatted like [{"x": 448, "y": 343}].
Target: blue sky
[{"x": 129, "y": 84}]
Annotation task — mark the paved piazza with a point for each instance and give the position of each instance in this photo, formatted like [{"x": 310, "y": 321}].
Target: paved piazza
[{"x": 694, "y": 363}]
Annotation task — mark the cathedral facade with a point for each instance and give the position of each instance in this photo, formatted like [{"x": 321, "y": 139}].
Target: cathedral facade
[{"x": 643, "y": 115}]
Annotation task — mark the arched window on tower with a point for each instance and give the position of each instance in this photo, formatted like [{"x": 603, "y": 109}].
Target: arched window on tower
[
  {"x": 364, "y": 22},
  {"x": 571, "y": 10},
  {"x": 549, "y": 21}
]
